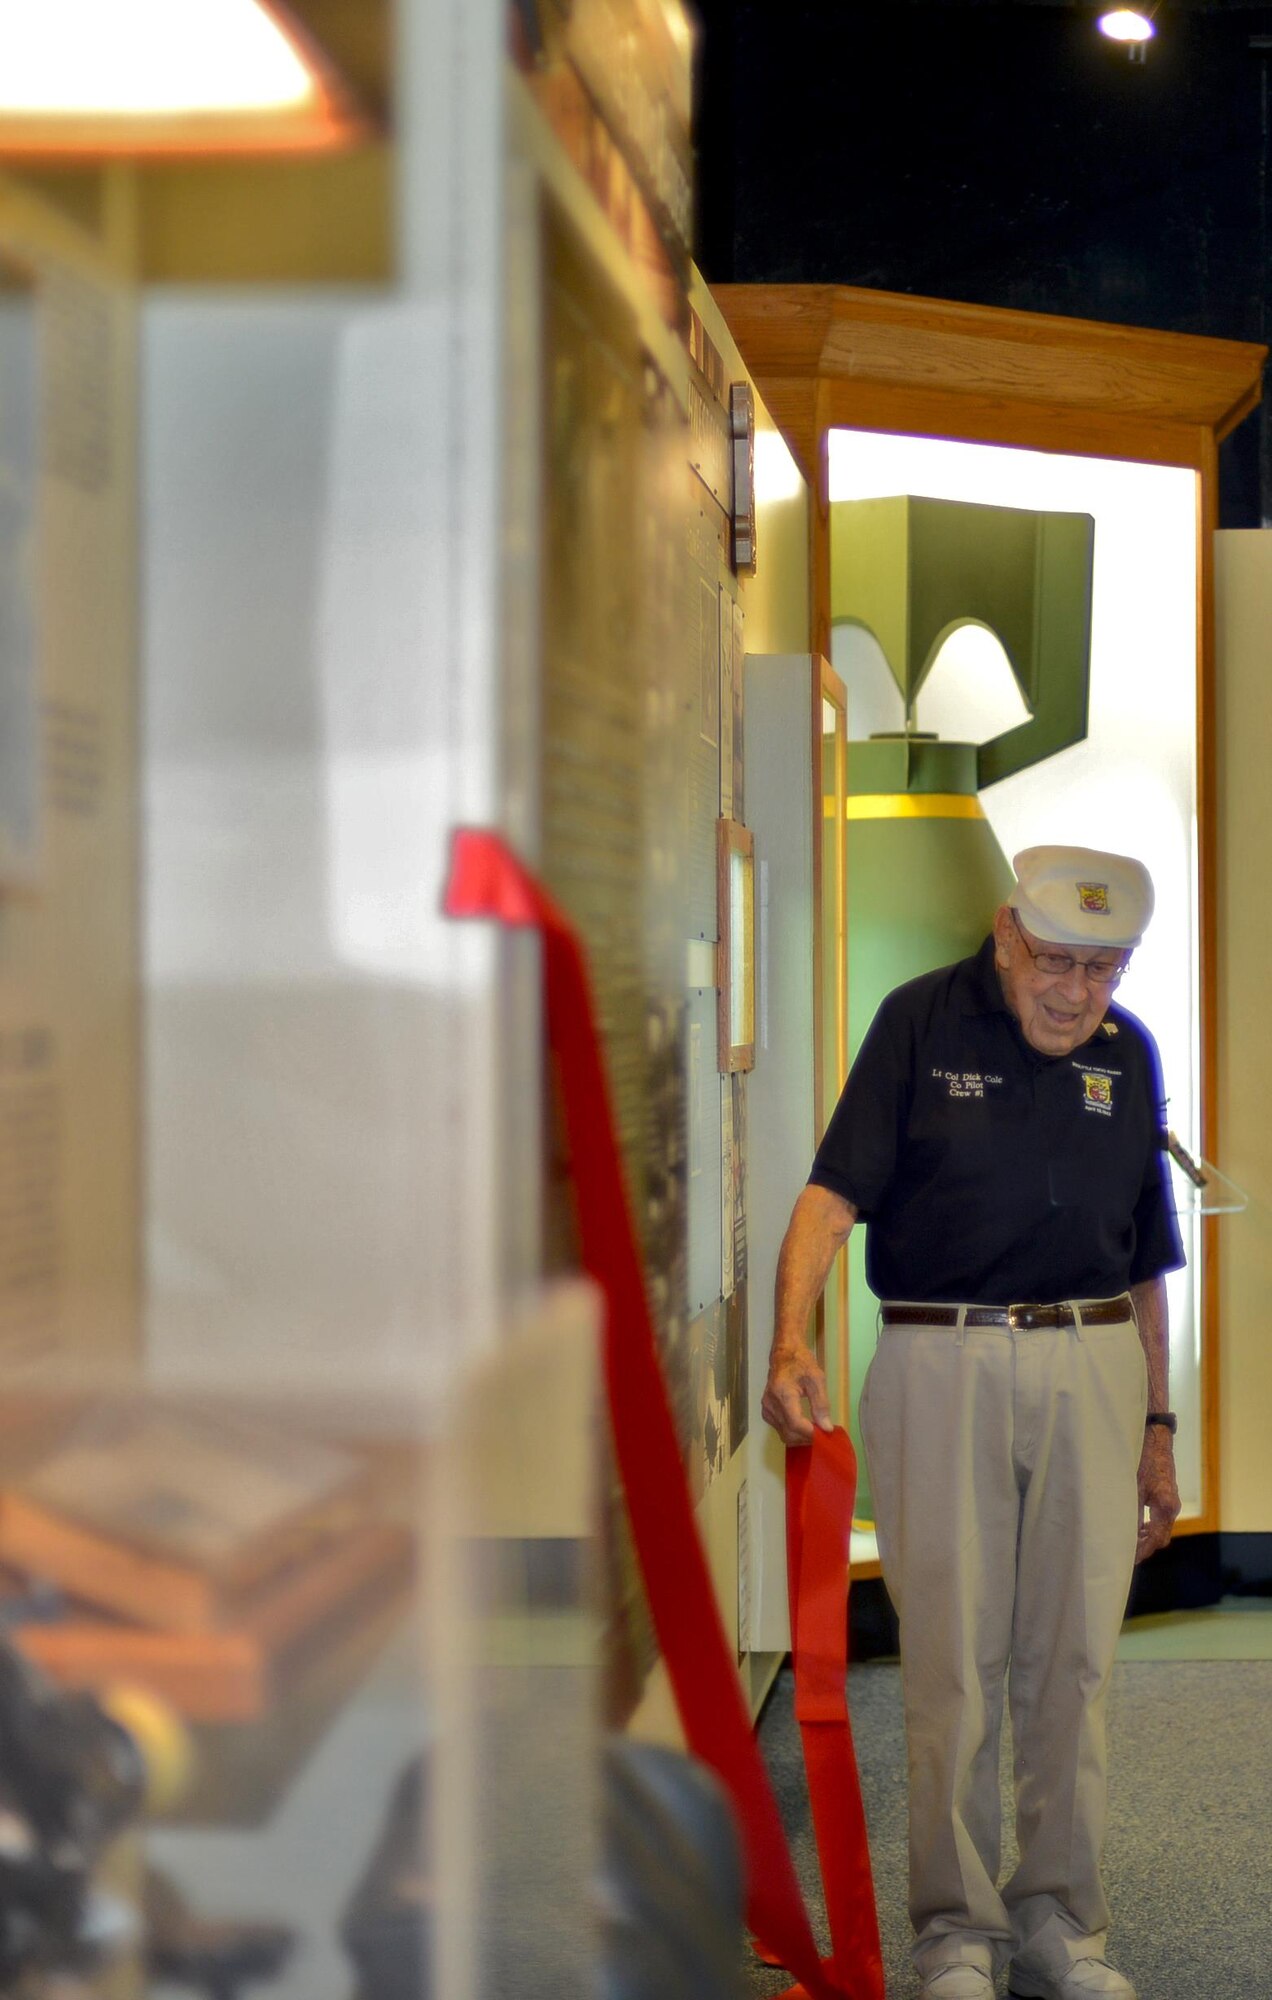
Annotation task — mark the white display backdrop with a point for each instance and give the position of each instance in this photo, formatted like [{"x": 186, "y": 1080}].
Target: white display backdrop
[
  {"x": 300, "y": 997},
  {"x": 1131, "y": 784}
]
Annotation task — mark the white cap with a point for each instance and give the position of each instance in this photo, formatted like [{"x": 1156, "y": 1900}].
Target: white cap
[{"x": 1078, "y": 895}]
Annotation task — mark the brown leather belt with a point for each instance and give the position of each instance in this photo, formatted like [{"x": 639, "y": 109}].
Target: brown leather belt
[{"x": 1020, "y": 1319}]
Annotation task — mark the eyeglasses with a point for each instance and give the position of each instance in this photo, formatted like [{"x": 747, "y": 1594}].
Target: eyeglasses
[{"x": 1059, "y": 964}]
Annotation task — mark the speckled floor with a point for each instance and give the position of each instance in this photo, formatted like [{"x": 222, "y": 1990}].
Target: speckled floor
[{"x": 1190, "y": 1791}]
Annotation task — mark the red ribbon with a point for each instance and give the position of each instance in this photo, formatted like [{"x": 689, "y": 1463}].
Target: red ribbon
[
  {"x": 821, "y": 1486},
  {"x": 487, "y": 880}
]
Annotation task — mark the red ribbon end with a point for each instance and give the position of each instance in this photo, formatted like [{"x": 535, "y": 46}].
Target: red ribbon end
[{"x": 487, "y": 880}]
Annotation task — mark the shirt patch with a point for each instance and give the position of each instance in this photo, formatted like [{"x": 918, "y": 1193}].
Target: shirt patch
[
  {"x": 1093, "y": 898},
  {"x": 1097, "y": 1091},
  {"x": 965, "y": 1082}
]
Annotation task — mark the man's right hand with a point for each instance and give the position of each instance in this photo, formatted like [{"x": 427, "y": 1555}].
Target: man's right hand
[
  {"x": 794, "y": 1375},
  {"x": 821, "y": 1223}
]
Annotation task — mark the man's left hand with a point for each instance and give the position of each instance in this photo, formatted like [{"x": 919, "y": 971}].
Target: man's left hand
[{"x": 1158, "y": 1491}]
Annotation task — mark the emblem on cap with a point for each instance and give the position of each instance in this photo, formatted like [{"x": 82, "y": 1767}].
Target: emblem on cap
[{"x": 1093, "y": 898}]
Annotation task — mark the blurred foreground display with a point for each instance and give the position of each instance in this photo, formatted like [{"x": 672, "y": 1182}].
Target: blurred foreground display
[{"x": 347, "y": 499}]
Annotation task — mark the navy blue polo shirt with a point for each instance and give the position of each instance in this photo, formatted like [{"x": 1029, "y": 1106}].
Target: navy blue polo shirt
[{"x": 985, "y": 1171}]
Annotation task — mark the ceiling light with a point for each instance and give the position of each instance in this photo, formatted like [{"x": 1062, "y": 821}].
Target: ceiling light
[
  {"x": 109, "y": 76},
  {"x": 1127, "y": 24}
]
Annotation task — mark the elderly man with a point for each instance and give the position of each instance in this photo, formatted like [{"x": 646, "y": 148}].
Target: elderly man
[{"x": 1000, "y": 1138}]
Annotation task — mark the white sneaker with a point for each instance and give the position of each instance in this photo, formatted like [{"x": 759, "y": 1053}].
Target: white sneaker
[
  {"x": 1085, "y": 1979},
  {"x": 957, "y": 1982}
]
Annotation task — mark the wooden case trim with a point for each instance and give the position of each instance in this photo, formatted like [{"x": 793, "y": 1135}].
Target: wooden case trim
[{"x": 844, "y": 333}]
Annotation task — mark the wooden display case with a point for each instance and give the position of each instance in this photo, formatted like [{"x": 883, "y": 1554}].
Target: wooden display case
[{"x": 828, "y": 357}]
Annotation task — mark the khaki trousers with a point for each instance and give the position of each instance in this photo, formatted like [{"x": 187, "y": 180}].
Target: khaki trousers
[{"x": 1003, "y": 1467}]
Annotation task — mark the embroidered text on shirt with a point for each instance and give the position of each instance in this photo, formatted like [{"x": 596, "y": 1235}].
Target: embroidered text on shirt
[{"x": 965, "y": 1082}]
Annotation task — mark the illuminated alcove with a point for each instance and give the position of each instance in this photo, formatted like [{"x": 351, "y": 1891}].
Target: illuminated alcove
[
  {"x": 932, "y": 398},
  {"x": 1131, "y": 785}
]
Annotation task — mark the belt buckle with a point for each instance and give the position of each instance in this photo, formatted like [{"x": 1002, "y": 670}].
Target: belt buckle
[{"x": 1034, "y": 1316}]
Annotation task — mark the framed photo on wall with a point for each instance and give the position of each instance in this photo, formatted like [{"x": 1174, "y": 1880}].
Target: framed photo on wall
[{"x": 735, "y": 952}]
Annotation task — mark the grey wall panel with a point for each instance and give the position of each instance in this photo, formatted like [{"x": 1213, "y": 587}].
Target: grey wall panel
[
  {"x": 701, "y": 711},
  {"x": 702, "y": 1082},
  {"x": 779, "y": 781}
]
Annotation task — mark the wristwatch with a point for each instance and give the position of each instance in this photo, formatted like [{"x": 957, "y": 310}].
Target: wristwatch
[{"x": 1166, "y": 1418}]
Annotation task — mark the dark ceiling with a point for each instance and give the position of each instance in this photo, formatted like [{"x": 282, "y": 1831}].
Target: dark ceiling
[{"x": 1001, "y": 152}]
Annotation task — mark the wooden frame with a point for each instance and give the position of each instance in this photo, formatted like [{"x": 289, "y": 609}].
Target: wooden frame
[
  {"x": 827, "y": 357},
  {"x": 830, "y": 944},
  {"x": 735, "y": 953}
]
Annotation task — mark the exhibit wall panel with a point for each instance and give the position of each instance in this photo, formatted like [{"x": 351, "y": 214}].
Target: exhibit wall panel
[
  {"x": 775, "y": 605},
  {"x": 69, "y": 1158},
  {"x": 617, "y": 846},
  {"x": 785, "y": 800},
  {"x": 716, "y": 1372},
  {"x": 1243, "y": 612}
]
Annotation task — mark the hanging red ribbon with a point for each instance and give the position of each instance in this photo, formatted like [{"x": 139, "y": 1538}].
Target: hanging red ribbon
[
  {"x": 821, "y": 1486},
  {"x": 487, "y": 880}
]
